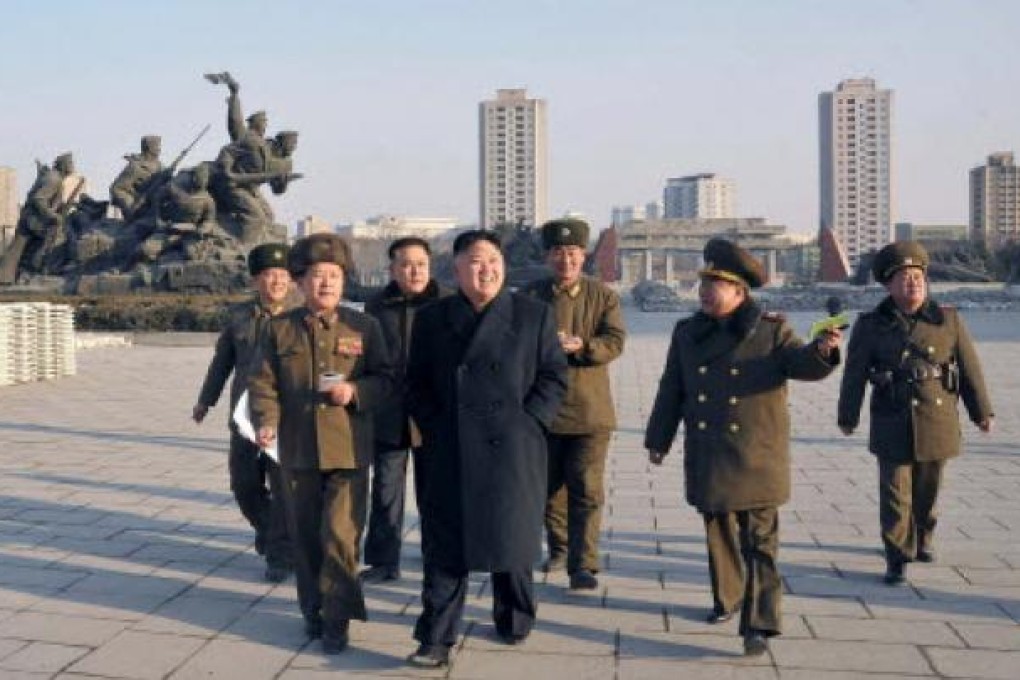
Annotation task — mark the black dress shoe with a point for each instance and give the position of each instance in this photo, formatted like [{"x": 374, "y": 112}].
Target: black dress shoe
[
  {"x": 717, "y": 617},
  {"x": 755, "y": 643},
  {"x": 895, "y": 573},
  {"x": 380, "y": 573},
  {"x": 430, "y": 656},
  {"x": 582, "y": 579},
  {"x": 926, "y": 555},
  {"x": 334, "y": 638},
  {"x": 555, "y": 563},
  {"x": 511, "y": 639}
]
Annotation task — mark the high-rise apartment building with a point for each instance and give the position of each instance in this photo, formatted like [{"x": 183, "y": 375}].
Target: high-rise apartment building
[
  {"x": 694, "y": 196},
  {"x": 513, "y": 159},
  {"x": 855, "y": 166},
  {"x": 312, "y": 224},
  {"x": 8, "y": 205},
  {"x": 995, "y": 201}
]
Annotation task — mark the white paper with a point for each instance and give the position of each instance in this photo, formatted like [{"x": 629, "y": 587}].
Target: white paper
[{"x": 242, "y": 418}]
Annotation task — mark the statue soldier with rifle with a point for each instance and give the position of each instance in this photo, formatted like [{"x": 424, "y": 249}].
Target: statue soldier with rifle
[{"x": 40, "y": 231}]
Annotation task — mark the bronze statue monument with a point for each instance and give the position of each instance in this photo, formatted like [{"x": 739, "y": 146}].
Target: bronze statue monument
[{"x": 172, "y": 230}]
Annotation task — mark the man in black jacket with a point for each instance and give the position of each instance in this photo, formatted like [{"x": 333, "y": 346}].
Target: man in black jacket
[
  {"x": 485, "y": 377},
  {"x": 394, "y": 307}
]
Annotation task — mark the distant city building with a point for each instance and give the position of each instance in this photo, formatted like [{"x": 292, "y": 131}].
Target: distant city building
[
  {"x": 653, "y": 210},
  {"x": 669, "y": 251},
  {"x": 389, "y": 227},
  {"x": 995, "y": 201},
  {"x": 312, "y": 224},
  {"x": 918, "y": 231},
  {"x": 855, "y": 166},
  {"x": 513, "y": 160},
  {"x": 705, "y": 196},
  {"x": 8, "y": 205},
  {"x": 622, "y": 214}
]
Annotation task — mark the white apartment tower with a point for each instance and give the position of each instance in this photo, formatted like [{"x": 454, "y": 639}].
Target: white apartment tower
[
  {"x": 855, "y": 166},
  {"x": 513, "y": 159},
  {"x": 703, "y": 195},
  {"x": 8, "y": 205},
  {"x": 995, "y": 201}
]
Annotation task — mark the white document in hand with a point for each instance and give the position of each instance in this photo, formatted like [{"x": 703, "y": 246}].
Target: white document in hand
[{"x": 242, "y": 418}]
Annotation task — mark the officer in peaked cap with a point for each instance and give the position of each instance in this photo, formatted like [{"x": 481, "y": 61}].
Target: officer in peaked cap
[
  {"x": 592, "y": 335},
  {"x": 725, "y": 378},
  {"x": 254, "y": 478},
  {"x": 896, "y": 256},
  {"x": 727, "y": 261},
  {"x": 920, "y": 361}
]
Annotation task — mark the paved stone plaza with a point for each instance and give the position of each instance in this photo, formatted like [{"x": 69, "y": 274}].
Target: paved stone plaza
[{"x": 122, "y": 554}]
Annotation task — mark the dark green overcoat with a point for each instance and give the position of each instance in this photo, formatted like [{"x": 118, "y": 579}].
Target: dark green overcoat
[
  {"x": 727, "y": 382},
  {"x": 913, "y": 407}
]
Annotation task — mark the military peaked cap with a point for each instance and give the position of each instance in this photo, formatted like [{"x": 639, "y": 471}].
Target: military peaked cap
[
  {"x": 267, "y": 256},
  {"x": 316, "y": 249},
  {"x": 728, "y": 261},
  {"x": 896, "y": 256},
  {"x": 568, "y": 231}
]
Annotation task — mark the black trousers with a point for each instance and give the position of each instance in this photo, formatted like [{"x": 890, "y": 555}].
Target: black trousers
[
  {"x": 386, "y": 517},
  {"x": 326, "y": 514},
  {"x": 444, "y": 592},
  {"x": 260, "y": 504},
  {"x": 743, "y": 549}
]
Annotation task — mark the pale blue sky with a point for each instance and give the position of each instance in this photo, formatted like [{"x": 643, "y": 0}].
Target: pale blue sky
[{"x": 385, "y": 93}]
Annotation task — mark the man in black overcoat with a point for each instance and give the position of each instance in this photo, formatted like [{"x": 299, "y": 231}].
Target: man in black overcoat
[{"x": 486, "y": 375}]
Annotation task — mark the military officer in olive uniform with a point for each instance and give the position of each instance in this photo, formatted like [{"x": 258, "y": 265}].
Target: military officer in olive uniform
[
  {"x": 920, "y": 360},
  {"x": 726, "y": 379},
  {"x": 592, "y": 334},
  {"x": 235, "y": 353},
  {"x": 323, "y": 370}
]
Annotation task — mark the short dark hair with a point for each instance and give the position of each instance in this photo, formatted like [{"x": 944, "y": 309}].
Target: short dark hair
[
  {"x": 473, "y": 236},
  {"x": 405, "y": 242}
]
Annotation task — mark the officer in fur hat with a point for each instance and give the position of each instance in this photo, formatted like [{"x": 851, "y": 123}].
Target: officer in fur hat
[
  {"x": 726, "y": 380},
  {"x": 323, "y": 370},
  {"x": 235, "y": 353},
  {"x": 920, "y": 360},
  {"x": 592, "y": 335}
]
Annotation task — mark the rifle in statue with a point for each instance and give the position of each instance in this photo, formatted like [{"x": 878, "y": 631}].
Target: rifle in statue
[{"x": 162, "y": 178}]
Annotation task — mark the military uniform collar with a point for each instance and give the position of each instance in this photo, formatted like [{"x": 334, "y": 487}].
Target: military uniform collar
[
  {"x": 571, "y": 291},
  {"x": 324, "y": 320},
  {"x": 929, "y": 311}
]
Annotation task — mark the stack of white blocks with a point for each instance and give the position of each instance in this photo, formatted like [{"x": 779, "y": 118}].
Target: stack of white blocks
[{"x": 36, "y": 342}]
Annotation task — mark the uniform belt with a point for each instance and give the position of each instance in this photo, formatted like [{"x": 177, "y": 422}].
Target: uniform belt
[{"x": 920, "y": 373}]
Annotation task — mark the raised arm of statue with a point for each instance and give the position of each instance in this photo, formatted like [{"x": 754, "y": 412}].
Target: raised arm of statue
[{"x": 236, "y": 127}]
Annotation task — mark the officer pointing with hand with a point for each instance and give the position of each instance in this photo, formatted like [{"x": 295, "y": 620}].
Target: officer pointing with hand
[{"x": 726, "y": 380}]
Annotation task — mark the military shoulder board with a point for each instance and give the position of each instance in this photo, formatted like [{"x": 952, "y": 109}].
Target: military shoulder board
[{"x": 775, "y": 317}]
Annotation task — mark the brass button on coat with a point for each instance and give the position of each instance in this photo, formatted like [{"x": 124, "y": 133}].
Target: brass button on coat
[
  {"x": 702, "y": 397},
  {"x": 702, "y": 370},
  {"x": 733, "y": 401},
  {"x": 734, "y": 371},
  {"x": 734, "y": 427},
  {"x": 702, "y": 425}
]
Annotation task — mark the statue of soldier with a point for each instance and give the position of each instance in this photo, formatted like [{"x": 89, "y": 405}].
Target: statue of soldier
[
  {"x": 248, "y": 161},
  {"x": 187, "y": 198},
  {"x": 39, "y": 235},
  {"x": 242, "y": 168},
  {"x": 134, "y": 187}
]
